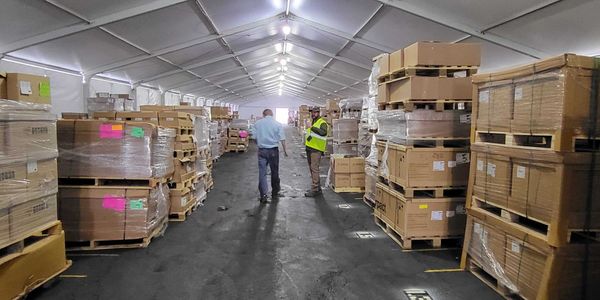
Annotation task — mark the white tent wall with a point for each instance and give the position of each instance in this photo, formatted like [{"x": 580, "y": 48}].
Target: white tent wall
[{"x": 255, "y": 106}]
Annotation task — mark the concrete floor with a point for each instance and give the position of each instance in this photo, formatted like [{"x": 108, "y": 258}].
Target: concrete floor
[{"x": 296, "y": 248}]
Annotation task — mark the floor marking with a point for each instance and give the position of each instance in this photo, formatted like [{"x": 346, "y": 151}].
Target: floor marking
[
  {"x": 443, "y": 270},
  {"x": 92, "y": 254},
  {"x": 432, "y": 249},
  {"x": 364, "y": 235},
  {"x": 344, "y": 206},
  {"x": 358, "y": 198},
  {"x": 72, "y": 276},
  {"x": 417, "y": 294}
]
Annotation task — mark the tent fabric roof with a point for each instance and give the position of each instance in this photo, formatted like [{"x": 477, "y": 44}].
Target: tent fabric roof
[{"x": 226, "y": 49}]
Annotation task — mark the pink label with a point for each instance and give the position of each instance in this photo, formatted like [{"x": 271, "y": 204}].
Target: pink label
[
  {"x": 114, "y": 202},
  {"x": 107, "y": 131}
]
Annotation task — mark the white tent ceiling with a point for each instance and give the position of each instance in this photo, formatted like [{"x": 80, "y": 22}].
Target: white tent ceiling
[{"x": 225, "y": 49}]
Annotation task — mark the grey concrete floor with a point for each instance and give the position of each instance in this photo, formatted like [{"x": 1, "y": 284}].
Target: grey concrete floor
[{"x": 296, "y": 248}]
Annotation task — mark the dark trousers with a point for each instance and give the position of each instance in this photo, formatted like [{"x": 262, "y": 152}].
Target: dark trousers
[{"x": 268, "y": 157}]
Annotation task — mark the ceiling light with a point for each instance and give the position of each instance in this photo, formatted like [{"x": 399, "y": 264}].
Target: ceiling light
[
  {"x": 281, "y": 84},
  {"x": 288, "y": 59},
  {"x": 280, "y": 92},
  {"x": 285, "y": 68},
  {"x": 278, "y": 47},
  {"x": 281, "y": 77},
  {"x": 283, "y": 62},
  {"x": 276, "y": 59},
  {"x": 286, "y": 29},
  {"x": 277, "y": 3},
  {"x": 288, "y": 47},
  {"x": 278, "y": 68}
]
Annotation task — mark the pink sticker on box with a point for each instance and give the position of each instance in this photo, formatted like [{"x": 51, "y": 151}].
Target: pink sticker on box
[
  {"x": 114, "y": 202},
  {"x": 107, "y": 131}
]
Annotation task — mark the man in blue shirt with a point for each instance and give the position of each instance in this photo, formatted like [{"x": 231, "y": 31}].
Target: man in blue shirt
[{"x": 269, "y": 133}]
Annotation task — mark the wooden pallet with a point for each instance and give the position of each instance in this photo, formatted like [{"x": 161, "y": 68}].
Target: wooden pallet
[
  {"x": 108, "y": 182},
  {"x": 437, "y": 142},
  {"x": 425, "y": 192},
  {"x": 181, "y": 216},
  {"x": 491, "y": 281},
  {"x": 424, "y": 242},
  {"x": 204, "y": 153},
  {"x": 236, "y": 150},
  {"x": 437, "y": 105},
  {"x": 186, "y": 182},
  {"x": 348, "y": 189},
  {"x": 93, "y": 245},
  {"x": 370, "y": 203},
  {"x": 183, "y": 154},
  {"x": 529, "y": 223},
  {"x": 347, "y": 141},
  {"x": 188, "y": 138},
  {"x": 16, "y": 246},
  {"x": 536, "y": 141}
]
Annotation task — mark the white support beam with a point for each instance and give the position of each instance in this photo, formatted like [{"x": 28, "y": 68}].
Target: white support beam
[
  {"x": 312, "y": 63},
  {"x": 181, "y": 46},
  {"x": 445, "y": 21},
  {"x": 341, "y": 34},
  {"x": 104, "y": 20},
  {"x": 204, "y": 63},
  {"x": 301, "y": 44}
]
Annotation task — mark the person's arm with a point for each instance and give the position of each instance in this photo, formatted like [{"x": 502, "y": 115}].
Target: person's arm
[
  {"x": 322, "y": 130},
  {"x": 282, "y": 140}
]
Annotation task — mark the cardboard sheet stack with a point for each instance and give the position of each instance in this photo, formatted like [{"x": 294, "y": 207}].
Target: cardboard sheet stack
[
  {"x": 113, "y": 179},
  {"x": 238, "y": 136},
  {"x": 223, "y": 131},
  {"x": 32, "y": 242},
  {"x": 110, "y": 102},
  {"x": 533, "y": 202},
  {"x": 303, "y": 119},
  {"x": 424, "y": 98},
  {"x": 369, "y": 124}
]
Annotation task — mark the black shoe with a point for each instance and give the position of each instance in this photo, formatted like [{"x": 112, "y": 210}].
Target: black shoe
[
  {"x": 264, "y": 199},
  {"x": 312, "y": 194},
  {"x": 276, "y": 195}
]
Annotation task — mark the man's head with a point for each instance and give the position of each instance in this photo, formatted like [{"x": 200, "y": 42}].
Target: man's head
[
  {"x": 267, "y": 112},
  {"x": 315, "y": 112}
]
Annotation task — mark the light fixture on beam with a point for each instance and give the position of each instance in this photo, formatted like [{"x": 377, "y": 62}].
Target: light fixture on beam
[
  {"x": 279, "y": 47},
  {"x": 286, "y": 29},
  {"x": 283, "y": 62},
  {"x": 280, "y": 92},
  {"x": 281, "y": 77}
]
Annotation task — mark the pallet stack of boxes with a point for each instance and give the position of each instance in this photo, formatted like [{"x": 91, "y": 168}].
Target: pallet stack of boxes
[
  {"x": 330, "y": 113},
  {"x": 369, "y": 123},
  {"x": 423, "y": 142},
  {"x": 113, "y": 174},
  {"x": 238, "y": 136},
  {"x": 303, "y": 118},
  {"x": 32, "y": 242},
  {"x": 215, "y": 140},
  {"x": 533, "y": 202},
  {"x": 110, "y": 102},
  {"x": 347, "y": 166},
  {"x": 183, "y": 184}
]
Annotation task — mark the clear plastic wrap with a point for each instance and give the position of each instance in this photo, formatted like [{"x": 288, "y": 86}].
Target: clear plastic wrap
[
  {"x": 351, "y": 108},
  {"x": 372, "y": 158},
  {"x": 529, "y": 268},
  {"x": 201, "y": 120},
  {"x": 398, "y": 126},
  {"x": 21, "y": 219},
  {"x": 370, "y": 182},
  {"x": 114, "y": 149},
  {"x": 374, "y": 78},
  {"x": 345, "y": 149},
  {"x": 369, "y": 113},
  {"x": 241, "y": 124},
  {"x": 550, "y": 99},
  {"x": 115, "y": 213},
  {"x": 345, "y": 130},
  {"x": 105, "y": 104}
]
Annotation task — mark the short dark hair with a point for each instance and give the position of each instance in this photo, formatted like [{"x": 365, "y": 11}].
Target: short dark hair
[{"x": 267, "y": 112}]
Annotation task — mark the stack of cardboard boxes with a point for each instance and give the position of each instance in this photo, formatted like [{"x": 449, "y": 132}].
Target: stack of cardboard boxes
[
  {"x": 238, "y": 136},
  {"x": 533, "y": 209},
  {"x": 347, "y": 174},
  {"x": 111, "y": 102},
  {"x": 330, "y": 113},
  {"x": 220, "y": 113},
  {"x": 304, "y": 120},
  {"x": 424, "y": 98},
  {"x": 32, "y": 243}
]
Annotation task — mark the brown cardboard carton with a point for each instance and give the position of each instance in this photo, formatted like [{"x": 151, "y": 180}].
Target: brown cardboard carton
[
  {"x": 357, "y": 180},
  {"x": 140, "y": 211},
  {"x": 357, "y": 165},
  {"x": 33, "y": 137},
  {"x": 493, "y": 178},
  {"x": 430, "y": 88},
  {"x": 332, "y": 105},
  {"x": 396, "y": 61},
  {"x": 430, "y": 217},
  {"x": 92, "y": 214},
  {"x": 74, "y": 116},
  {"x": 386, "y": 204},
  {"x": 29, "y": 88},
  {"x": 24, "y": 180},
  {"x": 382, "y": 93},
  {"x": 341, "y": 180},
  {"x": 494, "y": 107},
  {"x": 156, "y": 108},
  {"x": 4, "y": 227},
  {"x": 383, "y": 61},
  {"x": 345, "y": 130},
  {"x": 26, "y": 217},
  {"x": 181, "y": 200},
  {"x": 3, "y": 94},
  {"x": 487, "y": 245},
  {"x": 442, "y": 54},
  {"x": 341, "y": 165},
  {"x": 139, "y": 116},
  {"x": 524, "y": 266}
]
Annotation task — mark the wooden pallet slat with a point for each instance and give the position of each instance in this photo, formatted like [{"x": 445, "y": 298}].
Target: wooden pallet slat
[
  {"x": 347, "y": 189},
  {"x": 108, "y": 182},
  {"x": 424, "y": 242}
]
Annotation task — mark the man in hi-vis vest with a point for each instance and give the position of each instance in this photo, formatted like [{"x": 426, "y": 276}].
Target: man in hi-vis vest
[{"x": 316, "y": 143}]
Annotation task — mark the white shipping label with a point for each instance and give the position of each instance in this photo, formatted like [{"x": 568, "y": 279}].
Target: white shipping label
[
  {"x": 477, "y": 228},
  {"x": 521, "y": 172},
  {"x": 518, "y": 93},
  {"x": 450, "y": 213},
  {"x": 439, "y": 165},
  {"x": 484, "y": 96},
  {"x": 515, "y": 247},
  {"x": 451, "y": 164},
  {"x": 25, "y": 87},
  {"x": 460, "y": 209},
  {"x": 437, "y": 215},
  {"x": 466, "y": 118},
  {"x": 491, "y": 169},
  {"x": 480, "y": 165},
  {"x": 184, "y": 201},
  {"x": 32, "y": 167},
  {"x": 464, "y": 158}
]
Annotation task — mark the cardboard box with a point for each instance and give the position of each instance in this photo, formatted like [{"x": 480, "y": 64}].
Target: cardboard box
[
  {"x": 386, "y": 205},
  {"x": 104, "y": 115},
  {"x": 332, "y": 105},
  {"x": 26, "y": 217},
  {"x": 430, "y": 88},
  {"x": 357, "y": 165},
  {"x": 383, "y": 61},
  {"x": 437, "y": 217},
  {"x": 396, "y": 61},
  {"x": 181, "y": 200},
  {"x": 29, "y": 88},
  {"x": 139, "y": 116},
  {"x": 3, "y": 86},
  {"x": 382, "y": 93},
  {"x": 4, "y": 226},
  {"x": 341, "y": 180},
  {"x": 442, "y": 54},
  {"x": 494, "y": 107},
  {"x": 74, "y": 116},
  {"x": 31, "y": 138},
  {"x": 345, "y": 130},
  {"x": 357, "y": 180},
  {"x": 35, "y": 264},
  {"x": 345, "y": 149},
  {"x": 105, "y": 104},
  {"x": 157, "y": 108},
  {"x": 23, "y": 180},
  {"x": 341, "y": 165}
]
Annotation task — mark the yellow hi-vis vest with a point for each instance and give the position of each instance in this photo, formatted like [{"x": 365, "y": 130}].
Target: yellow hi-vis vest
[{"x": 316, "y": 141}]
